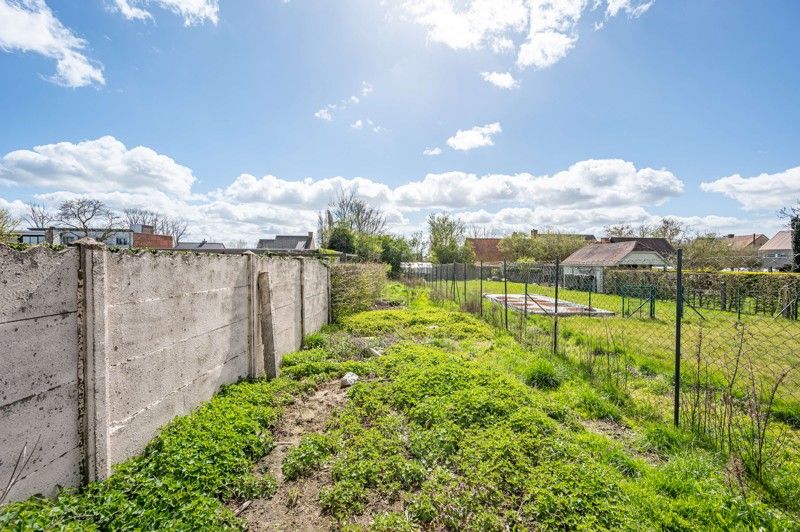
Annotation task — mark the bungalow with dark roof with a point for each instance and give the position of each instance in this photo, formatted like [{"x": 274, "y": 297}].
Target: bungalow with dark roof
[
  {"x": 593, "y": 259},
  {"x": 288, "y": 242}
]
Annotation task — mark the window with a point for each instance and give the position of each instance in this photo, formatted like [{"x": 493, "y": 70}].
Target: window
[
  {"x": 67, "y": 239},
  {"x": 33, "y": 239},
  {"x": 122, "y": 241}
]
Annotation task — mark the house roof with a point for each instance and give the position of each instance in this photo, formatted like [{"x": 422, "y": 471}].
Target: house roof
[
  {"x": 781, "y": 241},
  {"x": 659, "y": 245},
  {"x": 605, "y": 253},
  {"x": 200, "y": 245},
  {"x": 744, "y": 241},
  {"x": 285, "y": 242},
  {"x": 486, "y": 249}
]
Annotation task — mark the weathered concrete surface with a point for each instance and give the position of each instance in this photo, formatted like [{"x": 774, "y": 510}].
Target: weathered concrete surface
[
  {"x": 141, "y": 339},
  {"x": 39, "y": 387}
]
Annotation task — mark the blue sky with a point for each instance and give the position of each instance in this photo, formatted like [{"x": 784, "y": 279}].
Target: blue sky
[{"x": 601, "y": 112}]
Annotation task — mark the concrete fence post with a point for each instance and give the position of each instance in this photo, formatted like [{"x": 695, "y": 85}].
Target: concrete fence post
[
  {"x": 302, "y": 301},
  {"x": 255, "y": 355},
  {"x": 267, "y": 327},
  {"x": 93, "y": 363}
]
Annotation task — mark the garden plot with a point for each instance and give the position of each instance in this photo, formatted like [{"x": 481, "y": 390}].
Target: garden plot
[{"x": 546, "y": 306}]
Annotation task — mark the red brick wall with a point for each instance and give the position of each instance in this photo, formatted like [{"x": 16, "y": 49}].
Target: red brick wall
[{"x": 143, "y": 240}]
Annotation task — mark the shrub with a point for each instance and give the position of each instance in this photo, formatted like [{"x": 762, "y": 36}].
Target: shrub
[
  {"x": 355, "y": 287},
  {"x": 309, "y": 455},
  {"x": 541, "y": 373}
]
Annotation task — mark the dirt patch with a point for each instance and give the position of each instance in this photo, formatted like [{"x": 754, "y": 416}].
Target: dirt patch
[
  {"x": 621, "y": 433},
  {"x": 295, "y": 506}
]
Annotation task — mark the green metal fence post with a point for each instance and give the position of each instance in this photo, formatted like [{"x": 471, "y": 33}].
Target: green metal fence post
[
  {"x": 555, "y": 312},
  {"x": 678, "y": 319},
  {"x": 505, "y": 292},
  {"x": 480, "y": 295}
]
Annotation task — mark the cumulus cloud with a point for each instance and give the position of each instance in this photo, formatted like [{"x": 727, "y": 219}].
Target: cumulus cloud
[
  {"x": 30, "y": 26},
  {"x": 475, "y": 137},
  {"x": 586, "y": 184},
  {"x": 503, "y": 80},
  {"x": 587, "y": 194},
  {"x": 764, "y": 191},
  {"x": 358, "y": 124},
  {"x": 193, "y": 11},
  {"x": 432, "y": 151},
  {"x": 100, "y": 165},
  {"x": 541, "y": 32}
]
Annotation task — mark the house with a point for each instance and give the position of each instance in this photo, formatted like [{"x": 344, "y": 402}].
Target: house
[
  {"x": 593, "y": 259},
  {"x": 746, "y": 243},
  {"x": 144, "y": 237},
  {"x": 288, "y": 242},
  {"x": 486, "y": 249},
  {"x": 205, "y": 245},
  {"x": 776, "y": 253},
  {"x": 117, "y": 238}
]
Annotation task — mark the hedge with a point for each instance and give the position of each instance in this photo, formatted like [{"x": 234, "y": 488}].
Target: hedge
[{"x": 355, "y": 287}]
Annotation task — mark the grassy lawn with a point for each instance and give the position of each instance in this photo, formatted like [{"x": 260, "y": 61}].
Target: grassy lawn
[
  {"x": 710, "y": 337},
  {"x": 453, "y": 426}
]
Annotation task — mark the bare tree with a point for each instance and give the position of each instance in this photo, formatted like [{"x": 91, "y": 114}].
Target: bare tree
[
  {"x": 141, "y": 217},
  {"x": 480, "y": 231},
  {"x": 38, "y": 217},
  {"x": 88, "y": 216},
  {"x": 173, "y": 226},
  {"x": 357, "y": 214}
]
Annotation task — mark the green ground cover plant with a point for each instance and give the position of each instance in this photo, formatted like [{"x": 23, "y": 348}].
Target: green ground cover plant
[
  {"x": 184, "y": 474},
  {"x": 468, "y": 430}
]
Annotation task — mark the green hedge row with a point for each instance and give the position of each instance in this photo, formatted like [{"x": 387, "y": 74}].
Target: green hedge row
[{"x": 355, "y": 287}]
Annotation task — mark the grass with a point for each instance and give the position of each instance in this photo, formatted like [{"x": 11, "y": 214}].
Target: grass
[
  {"x": 466, "y": 429},
  {"x": 773, "y": 344},
  {"x": 453, "y": 425}
]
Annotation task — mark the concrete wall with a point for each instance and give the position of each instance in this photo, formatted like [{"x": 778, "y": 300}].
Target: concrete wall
[
  {"x": 39, "y": 365},
  {"x": 99, "y": 350}
]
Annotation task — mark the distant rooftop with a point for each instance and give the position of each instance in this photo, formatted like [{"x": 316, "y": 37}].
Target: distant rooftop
[
  {"x": 780, "y": 242},
  {"x": 200, "y": 245},
  {"x": 287, "y": 242}
]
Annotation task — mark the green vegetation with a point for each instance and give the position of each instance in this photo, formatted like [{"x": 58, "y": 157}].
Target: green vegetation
[
  {"x": 355, "y": 287},
  {"x": 540, "y": 247},
  {"x": 179, "y": 481},
  {"x": 467, "y": 429},
  {"x": 453, "y": 425}
]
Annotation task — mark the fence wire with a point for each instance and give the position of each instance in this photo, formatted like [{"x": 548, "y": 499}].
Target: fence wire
[{"x": 712, "y": 347}]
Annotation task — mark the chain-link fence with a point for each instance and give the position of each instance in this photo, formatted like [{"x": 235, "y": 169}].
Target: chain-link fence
[{"x": 715, "y": 350}]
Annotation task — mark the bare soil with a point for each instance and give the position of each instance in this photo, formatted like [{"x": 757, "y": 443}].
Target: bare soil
[{"x": 295, "y": 506}]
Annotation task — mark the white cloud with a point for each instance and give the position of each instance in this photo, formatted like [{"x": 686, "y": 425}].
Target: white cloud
[
  {"x": 503, "y": 80},
  {"x": 764, "y": 191},
  {"x": 476, "y": 137},
  {"x": 324, "y": 114},
  {"x": 30, "y": 26},
  {"x": 587, "y": 184},
  {"x": 358, "y": 124},
  {"x": 193, "y": 11},
  {"x": 542, "y": 32},
  {"x": 100, "y": 165},
  {"x": 632, "y": 8},
  {"x": 432, "y": 151},
  {"x": 587, "y": 194}
]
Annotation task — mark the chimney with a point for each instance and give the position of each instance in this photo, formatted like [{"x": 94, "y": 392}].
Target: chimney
[{"x": 310, "y": 240}]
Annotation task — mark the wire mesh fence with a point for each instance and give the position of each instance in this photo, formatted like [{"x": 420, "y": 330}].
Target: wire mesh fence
[{"x": 716, "y": 350}]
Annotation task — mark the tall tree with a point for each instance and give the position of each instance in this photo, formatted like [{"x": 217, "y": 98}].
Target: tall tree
[
  {"x": 172, "y": 226},
  {"x": 419, "y": 245},
  {"x": 447, "y": 241},
  {"x": 357, "y": 214},
  {"x": 38, "y": 216},
  {"x": 541, "y": 247},
  {"x": 87, "y": 216}
]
